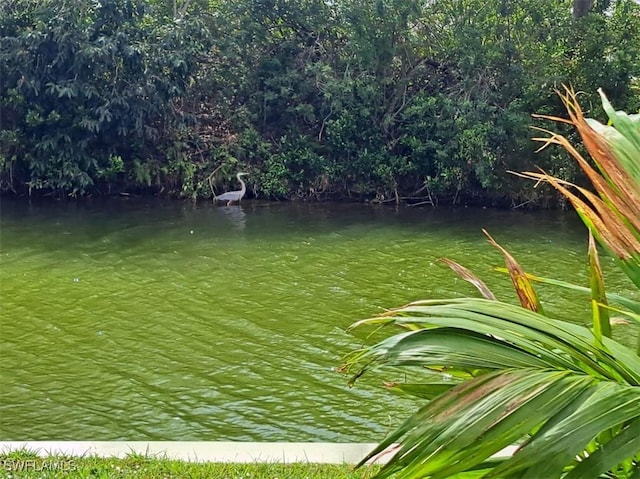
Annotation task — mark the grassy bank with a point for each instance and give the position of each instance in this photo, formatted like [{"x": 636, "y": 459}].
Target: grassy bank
[{"x": 26, "y": 464}]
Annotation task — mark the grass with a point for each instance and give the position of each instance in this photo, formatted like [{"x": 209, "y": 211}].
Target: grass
[{"x": 27, "y": 464}]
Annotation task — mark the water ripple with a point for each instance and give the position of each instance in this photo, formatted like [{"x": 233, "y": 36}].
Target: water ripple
[{"x": 168, "y": 321}]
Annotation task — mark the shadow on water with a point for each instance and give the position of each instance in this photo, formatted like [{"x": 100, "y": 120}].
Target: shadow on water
[{"x": 143, "y": 319}]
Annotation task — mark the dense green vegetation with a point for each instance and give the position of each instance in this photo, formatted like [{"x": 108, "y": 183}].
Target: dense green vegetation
[
  {"x": 367, "y": 99},
  {"x": 26, "y": 464}
]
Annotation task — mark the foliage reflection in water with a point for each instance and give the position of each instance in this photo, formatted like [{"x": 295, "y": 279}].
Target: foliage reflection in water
[{"x": 149, "y": 320}]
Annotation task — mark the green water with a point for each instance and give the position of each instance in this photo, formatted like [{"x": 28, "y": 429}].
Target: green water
[{"x": 149, "y": 320}]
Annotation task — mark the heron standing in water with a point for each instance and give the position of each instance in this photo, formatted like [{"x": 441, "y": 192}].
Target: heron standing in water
[{"x": 231, "y": 196}]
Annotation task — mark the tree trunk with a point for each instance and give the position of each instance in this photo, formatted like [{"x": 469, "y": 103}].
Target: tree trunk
[{"x": 582, "y": 7}]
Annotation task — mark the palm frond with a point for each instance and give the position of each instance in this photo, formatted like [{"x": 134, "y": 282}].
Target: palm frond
[
  {"x": 484, "y": 325},
  {"x": 503, "y": 407},
  {"x": 495, "y": 374},
  {"x": 613, "y": 213}
]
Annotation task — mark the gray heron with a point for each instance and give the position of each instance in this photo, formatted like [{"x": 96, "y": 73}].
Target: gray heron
[{"x": 231, "y": 196}]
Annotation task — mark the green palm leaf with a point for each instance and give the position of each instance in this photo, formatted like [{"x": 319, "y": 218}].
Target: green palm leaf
[
  {"x": 624, "y": 445},
  {"x": 602, "y": 407},
  {"x": 430, "y": 390},
  {"x": 530, "y": 378},
  {"x": 441, "y": 439},
  {"x": 567, "y": 345},
  {"x": 601, "y": 322},
  {"x": 623, "y": 301},
  {"x": 492, "y": 374}
]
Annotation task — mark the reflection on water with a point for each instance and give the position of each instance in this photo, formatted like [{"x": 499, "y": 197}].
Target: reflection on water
[
  {"x": 235, "y": 215},
  {"x": 148, "y": 320}
]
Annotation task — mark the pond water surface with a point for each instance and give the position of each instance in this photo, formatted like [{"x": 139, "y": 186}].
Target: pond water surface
[{"x": 148, "y": 320}]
